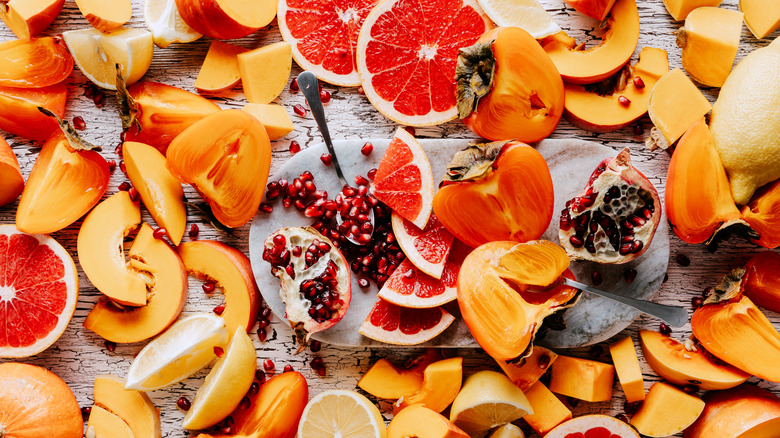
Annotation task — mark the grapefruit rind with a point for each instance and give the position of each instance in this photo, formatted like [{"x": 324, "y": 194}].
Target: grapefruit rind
[
  {"x": 408, "y": 242},
  {"x": 397, "y": 337},
  {"x": 587, "y": 422},
  {"x": 345, "y": 80},
  {"x": 420, "y": 159},
  {"x": 386, "y": 107},
  {"x": 69, "y": 277}
]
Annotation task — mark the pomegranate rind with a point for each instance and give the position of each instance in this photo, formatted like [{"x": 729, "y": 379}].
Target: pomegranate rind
[
  {"x": 356, "y": 14},
  {"x": 396, "y": 336},
  {"x": 445, "y": 55},
  {"x": 586, "y": 423},
  {"x": 296, "y": 306},
  {"x": 69, "y": 277},
  {"x": 418, "y": 247},
  {"x": 616, "y": 172}
]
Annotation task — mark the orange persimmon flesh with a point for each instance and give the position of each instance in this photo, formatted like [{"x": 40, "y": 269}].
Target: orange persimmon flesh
[
  {"x": 762, "y": 213},
  {"x": 219, "y": 71},
  {"x": 675, "y": 105},
  {"x": 34, "y": 63},
  {"x": 534, "y": 366},
  {"x": 698, "y": 196},
  {"x": 501, "y": 316},
  {"x": 11, "y": 181},
  {"x": 761, "y": 282},
  {"x": 226, "y": 156},
  {"x": 602, "y": 61},
  {"x": 19, "y": 113}
]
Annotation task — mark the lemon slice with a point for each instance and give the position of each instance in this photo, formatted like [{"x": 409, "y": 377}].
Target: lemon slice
[
  {"x": 488, "y": 399},
  {"x": 341, "y": 414},
  {"x": 163, "y": 19},
  {"x": 96, "y": 54},
  {"x": 508, "y": 430},
  {"x": 179, "y": 352},
  {"x": 225, "y": 385},
  {"x": 528, "y": 15}
]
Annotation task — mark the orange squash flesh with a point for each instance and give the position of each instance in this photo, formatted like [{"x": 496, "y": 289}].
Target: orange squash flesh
[
  {"x": 385, "y": 380},
  {"x": 64, "y": 184},
  {"x": 27, "y": 18},
  {"x": 526, "y": 374},
  {"x": 761, "y": 282},
  {"x": 602, "y": 61},
  {"x": 19, "y": 113},
  {"x": 675, "y": 105},
  {"x": 582, "y": 379},
  {"x": 739, "y": 334},
  {"x": 502, "y": 319},
  {"x": 709, "y": 42},
  {"x": 11, "y": 181},
  {"x": 219, "y": 71},
  {"x": 597, "y": 9},
  {"x": 226, "y": 156},
  {"x": 679, "y": 9},
  {"x": 549, "y": 411},
  {"x": 594, "y": 112},
  {"x": 762, "y": 213},
  {"x": 34, "y": 63},
  {"x": 698, "y": 196}
]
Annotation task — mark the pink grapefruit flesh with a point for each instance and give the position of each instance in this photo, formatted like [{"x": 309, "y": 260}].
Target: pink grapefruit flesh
[
  {"x": 406, "y": 56},
  {"x": 426, "y": 248},
  {"x": 323, "y": 36},
  {"x": 38, "y": 292},
  {"x": 404, "y": 326},
  {"x": 404, "y": 180}
]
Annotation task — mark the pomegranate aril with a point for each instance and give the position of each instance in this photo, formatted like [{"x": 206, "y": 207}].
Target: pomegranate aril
[
  {"x": 219, "y": 309},
  {"x": 696, "y": 302},
  {"x": 122, "y": 167},
  {"x": 159, "y": 233},
  {"x": 287, "y": 201},
  {"x": 624, "y": 101},
  {"x": 260, "y": 377},
  {"x": 638, "y": 129},
  {"x": 86, "y": 411},
  {"x": 664, "y": 329},
  {"x": 134, "y": 195},
  {"x": 360, "y": 90},
  {"x": 324, "y": 96},
  {"x": 268, "y": 365},
  {"x": 262, "y": 335},
  {"x": 287, "y": 368},
  {"x": 367, "y": 149},
  {"x": 544, "y": 361},
  {"x": 218, "y": 351},
  {"x": 194, "y": 231},
  {"x": 690, "y": 389},
  {"x": 263, "y": 323},
  {"x": 371, "y": 174},
  {"x": 295, "y": 147},
  {"x": 124, "y": 186},
  {"x": 110, "y": 346},
  {"x": 183, "y": 403},
  {"x": 111, "y": 165},
  {"x": 79, "y": 123},
  {"x": 361, "y": 180},
  {"x": 682, "y": 260},
  {"x": 327, "y": 159},
  {"x": 118, "y": 149},
  {"x": 317, "y": 363},
  {"x": 595, "y": 278},
  {"x": 300, "y": 110},
  {"x": 315, "y": 346},
  {"x": 208, "y": 287},
  {"x": 630, "y": 275},
  {"x": 245, "y": 403},
  {"x": 639, "y": 83},
  {"x": 576, "y": 241},
  {"x": 622, "y": 417},
  {"x": 294, "y": 86},
  {"x": 266, "y": 208}
]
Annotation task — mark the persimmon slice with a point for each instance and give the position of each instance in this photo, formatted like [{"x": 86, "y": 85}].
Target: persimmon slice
[
  {"x": 19, "y": 113},
  {"x": 34, "y": 63}
]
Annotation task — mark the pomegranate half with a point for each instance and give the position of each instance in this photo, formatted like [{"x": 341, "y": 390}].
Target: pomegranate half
[
  {"x": 316, "y": 284},
  {"x": 615, "y": 218}
]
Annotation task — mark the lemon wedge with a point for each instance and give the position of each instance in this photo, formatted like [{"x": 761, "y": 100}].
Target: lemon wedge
[
  {"x": 96, "y": 54},
  {"x": 508, "y": 430},
  {"x": 341, "y": 414},
  {"x": 179, "y": 352},
  {"x": 225, "y": 384},
  {"x": 528, "y": 15},
  {"x": 488, "y": 399},
  {"x": 163, "y": 19}
]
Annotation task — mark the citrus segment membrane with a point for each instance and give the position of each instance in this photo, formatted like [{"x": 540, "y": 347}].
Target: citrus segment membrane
[
  {"x": 426, "y": 248},
  {"x": 404, "y": 326}
]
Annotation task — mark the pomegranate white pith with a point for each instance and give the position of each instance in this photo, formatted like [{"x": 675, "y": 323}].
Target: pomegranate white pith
[
  {"x": 615, "y": 218},
  {"x": 314, "y": 276}
]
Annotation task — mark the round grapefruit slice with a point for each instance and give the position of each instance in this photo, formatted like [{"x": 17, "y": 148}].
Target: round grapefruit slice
[
  {"x": 404, "y": 326},
  {"x": 428, "y": 248},
  {"x": 404, "y": 180},
  {"x": 410, "y": 287},
  {"x": 323, "y": 36},
  {"x": 406, "y": 56},
  {"x": 38, "y": 292}
]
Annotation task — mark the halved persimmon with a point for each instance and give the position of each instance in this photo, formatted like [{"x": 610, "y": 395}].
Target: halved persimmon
[
  {"x": 762, "y": 213},
  {"x": 34, "y": 63},
  {"x": 499, "y": 310},
  {"x": 11, "y": 181},
  {"x": 226, "y": 157},
  {"x": 68, "y": 178},
  {"x": 19, "y": 113},
  {"x": 155, "y": 113}
]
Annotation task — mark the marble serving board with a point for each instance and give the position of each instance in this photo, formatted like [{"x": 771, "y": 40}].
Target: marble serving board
[{"x": 592, "y": 320}]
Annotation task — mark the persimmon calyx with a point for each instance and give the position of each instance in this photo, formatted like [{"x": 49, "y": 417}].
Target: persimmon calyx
[
  {"x": 474, "y": 76},
  {"x": 128, "y": 107},
  {"x": 473, "y": 162},
  {"x": 205, "y": 209},
  {"x": 75, "y": 141},
  {"x": 728, "y": 288}
]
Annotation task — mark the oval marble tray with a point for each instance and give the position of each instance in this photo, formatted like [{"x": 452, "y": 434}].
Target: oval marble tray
[{"x": 571, "y": 162}]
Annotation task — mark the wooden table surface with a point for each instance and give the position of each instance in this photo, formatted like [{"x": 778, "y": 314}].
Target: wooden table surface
[{"x": 80, "y": 355}]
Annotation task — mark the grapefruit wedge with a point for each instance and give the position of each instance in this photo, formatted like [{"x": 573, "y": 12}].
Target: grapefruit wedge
[
  {"x": 426, "y": 248},
  {"x": 323, "y": 36},
  {"x": 404, "y": 326},
  {"x": 410, "y": 287},
  {"x": 38, "y": 292},
  {"x": 404, "y": 180},
  {"x": 406, "y": 56}
]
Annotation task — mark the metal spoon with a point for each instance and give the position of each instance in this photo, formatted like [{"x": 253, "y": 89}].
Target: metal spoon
[
  {"x": 307, "y": 82},
  {"x": 675, "y": 316}
]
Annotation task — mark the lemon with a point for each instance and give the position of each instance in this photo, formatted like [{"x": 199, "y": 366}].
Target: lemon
[
  {"x": 488, "y": 399},
  {"x": 225, "y": 385},
  {"x": 341, "y": 414},
  {"x": 508, "y": 430},
  {"x": 96, "y": 54},
  {"x": 744, "y": 122},
  {"x": 179, "y": 352},
  {"x": 528, "y": 15},
  {"x": 163, "y": 19}
]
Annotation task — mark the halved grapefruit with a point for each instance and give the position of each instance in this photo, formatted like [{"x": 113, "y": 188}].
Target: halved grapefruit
[
  {"x": 404, "y": 180},
  {"x": 39, "y": 288},
  {"x": 406, "y": 56},
  {"x": 404, "y": 326},
  {"x": 323, "y": 36},
  {"x": 426, "y": 248},
  {"x": 410, "y": 287}
]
